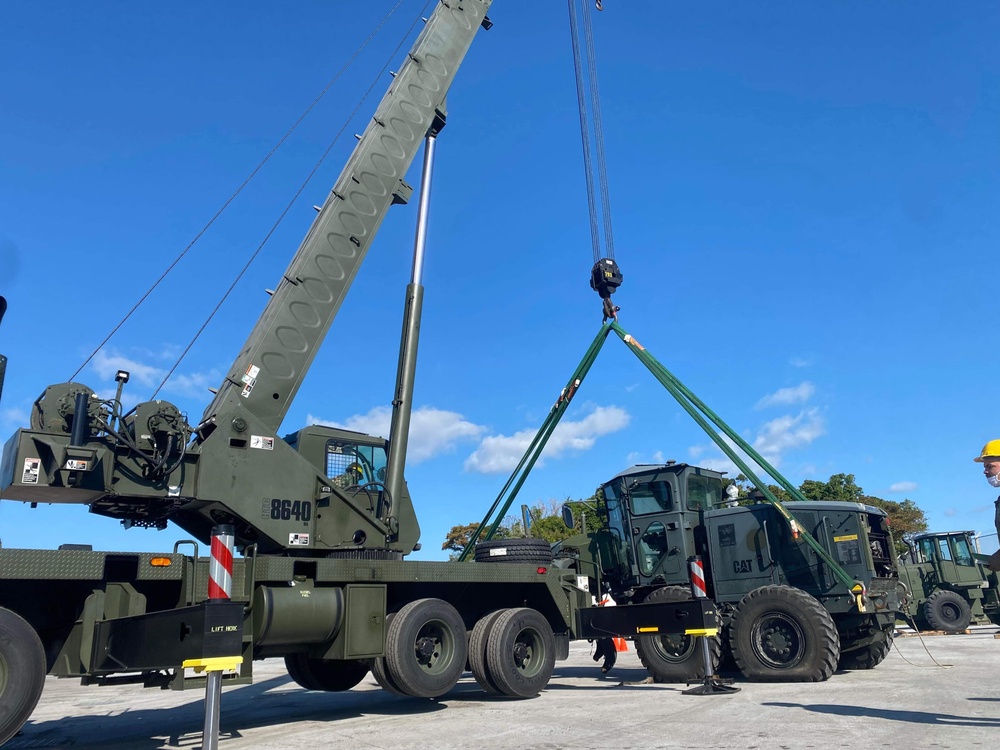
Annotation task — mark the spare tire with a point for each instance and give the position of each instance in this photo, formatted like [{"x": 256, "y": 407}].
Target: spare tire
[{"x": 521, "y": 550}]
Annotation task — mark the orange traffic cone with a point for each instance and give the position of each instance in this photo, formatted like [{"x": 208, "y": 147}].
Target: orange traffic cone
[{"x": 620, "y": 644}]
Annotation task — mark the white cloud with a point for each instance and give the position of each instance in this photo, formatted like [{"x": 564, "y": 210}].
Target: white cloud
[
  {"x": 903, "y": 487},
  {"x": 432, "y": 431},
  {"x": 787, "y": 396},
  {"x": 800, "y": 361},
  {"x": 635, "y": 457},
  {"x": 787, "y": 432},
  {"x": 773, "y": 439},
  {"x": 950, "y": 513},
  {"x": 107, "y": 364},
  {"x": 720, "y": 464},
  {"x": 498, "y": 453}
]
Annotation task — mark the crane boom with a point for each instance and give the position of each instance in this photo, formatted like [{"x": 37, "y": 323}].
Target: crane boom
[{"x": 274, "y": 360}]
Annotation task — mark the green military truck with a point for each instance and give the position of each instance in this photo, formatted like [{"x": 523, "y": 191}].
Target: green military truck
[
  {"x": 321, "y": 518},
  {"x": 785, "y": 615},
  {"x": 950, "y": 588}
]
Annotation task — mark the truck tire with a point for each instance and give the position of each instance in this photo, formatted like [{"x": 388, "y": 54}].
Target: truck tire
[
  {"x": 782, "y": 634},
  {"x": 531, "y": 551},
  {"x": 478, "y": 641},
  {"x": 867, "y": 657},
  {"x": 380, "y": 670},
  {"x": 426, "y": 648},
  {"x": 675, "y": 658},
  {"x": 22, "y": 672},
  {"x": 521, "y": 652},
  {"x": 946, "y": 610},
  {"x": 331, "y": 675}
]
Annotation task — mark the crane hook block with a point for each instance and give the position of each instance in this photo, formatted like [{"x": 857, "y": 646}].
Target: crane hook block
[{"x": 605, "y": 277}]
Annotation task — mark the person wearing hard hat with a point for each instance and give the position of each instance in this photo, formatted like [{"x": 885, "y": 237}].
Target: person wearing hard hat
[
  {"x": 351, "y": 477},
  {"x": 990, "y": 459}
]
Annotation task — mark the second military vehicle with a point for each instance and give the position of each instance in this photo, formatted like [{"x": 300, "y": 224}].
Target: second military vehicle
[
  {"x": 950, "y": 588},
  {"x": 785, "y": 615}
]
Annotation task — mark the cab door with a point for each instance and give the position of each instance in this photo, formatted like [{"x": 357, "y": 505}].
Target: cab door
[{"x": 660, "y": 541}]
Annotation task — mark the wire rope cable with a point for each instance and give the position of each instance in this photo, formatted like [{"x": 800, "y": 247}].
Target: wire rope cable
[
  {"x": 239, "y": 189},
  {"x": 289, "y": 205},
  {"x": 581, "y": 99},
  {"x": 595, "y": 106}
]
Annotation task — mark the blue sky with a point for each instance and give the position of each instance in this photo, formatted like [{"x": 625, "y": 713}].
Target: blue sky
[{"x": 805, "y": 202}]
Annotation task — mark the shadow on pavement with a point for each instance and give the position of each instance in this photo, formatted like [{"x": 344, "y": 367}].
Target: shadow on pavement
[
  {"x": 242, "y": 708},
  {"x": 890, "y": 714}
]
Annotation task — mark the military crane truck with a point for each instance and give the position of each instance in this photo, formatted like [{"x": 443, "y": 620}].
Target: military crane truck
[
  {"x": 785, "y": 616},
  {"x": 950, "y": 589},
  {"x": 321, "y": 517}
]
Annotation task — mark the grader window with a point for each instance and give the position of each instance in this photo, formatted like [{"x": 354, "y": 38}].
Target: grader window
[
  {"x": 963, "y": 553},
  {"x": 944, "y": 549},
  {"x": 652, "y": 497},
  {"x": 925, "y": 550},
  {"x": 703, "y": 493}
]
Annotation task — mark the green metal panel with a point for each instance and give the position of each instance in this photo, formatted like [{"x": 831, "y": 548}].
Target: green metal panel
[{"x": 364, "y": 625}]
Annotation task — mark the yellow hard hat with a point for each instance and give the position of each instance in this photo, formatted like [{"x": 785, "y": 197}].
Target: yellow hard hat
[{"x": 990, "y": 450}]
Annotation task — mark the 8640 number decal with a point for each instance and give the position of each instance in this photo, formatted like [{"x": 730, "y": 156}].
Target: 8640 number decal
[{"x": 287, "y": 510}]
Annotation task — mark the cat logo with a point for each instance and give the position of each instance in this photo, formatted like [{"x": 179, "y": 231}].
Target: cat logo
[{"x": 741, "y": 566}]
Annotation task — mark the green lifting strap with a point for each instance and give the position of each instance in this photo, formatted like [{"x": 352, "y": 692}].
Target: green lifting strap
[
  {"x": 692, "y": 405},
  {"x": 534, "y": 450}
]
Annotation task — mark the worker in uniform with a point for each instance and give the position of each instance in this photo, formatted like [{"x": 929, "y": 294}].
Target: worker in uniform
[
  {"x": 351, "y": 477},
  {"x": 606, "y": 650},
  {"x": 990, "y": 459}
]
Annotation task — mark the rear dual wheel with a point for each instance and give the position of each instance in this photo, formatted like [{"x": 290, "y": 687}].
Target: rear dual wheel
[
  {"x": 513, "y": 652},
  {"x": 426, "y": 649},
  {"x": 478, "y": 641}
]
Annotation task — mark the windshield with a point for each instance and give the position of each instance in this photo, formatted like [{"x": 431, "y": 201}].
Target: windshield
[
  {"x": 349, "y": 464},
  {"x": 651, "y": 497}
]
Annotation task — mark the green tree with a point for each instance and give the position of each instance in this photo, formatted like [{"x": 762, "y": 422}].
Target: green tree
[
  {"x": 457, "y": 539},
  {"x": 840, "y": 487},
  {"x": 748, "y": 493}
]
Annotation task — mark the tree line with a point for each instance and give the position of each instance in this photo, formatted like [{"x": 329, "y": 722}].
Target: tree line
[{"x": 546, "y": 522}]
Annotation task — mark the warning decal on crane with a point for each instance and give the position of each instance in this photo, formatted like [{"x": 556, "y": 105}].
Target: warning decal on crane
[
  {"x": 30, "y": 473},
  {"x": 262, "y": 442}
]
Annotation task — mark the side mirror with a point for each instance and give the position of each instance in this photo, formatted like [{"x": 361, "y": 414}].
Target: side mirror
[{"x": 567, "y": 517}]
